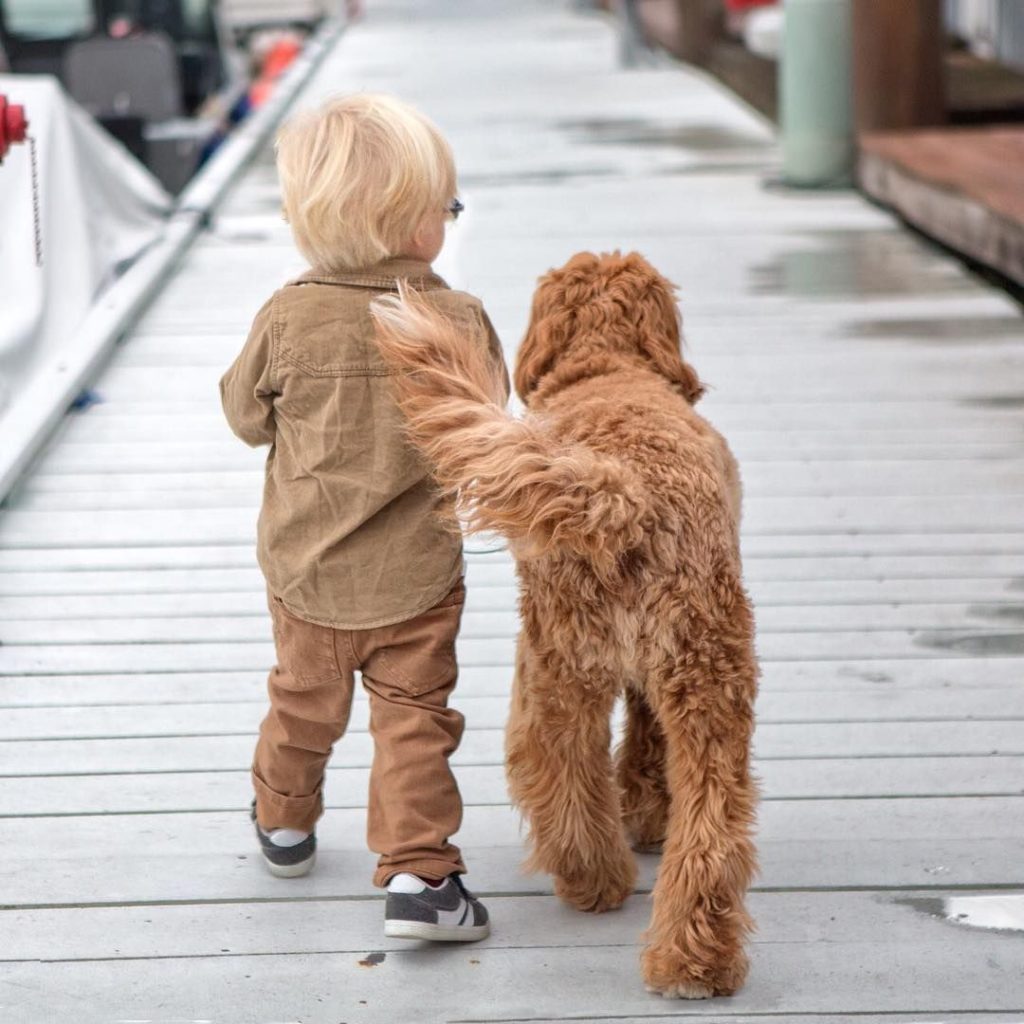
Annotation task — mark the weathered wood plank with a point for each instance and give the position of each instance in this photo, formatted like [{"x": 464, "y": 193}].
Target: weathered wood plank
[
  {"x": 490, "y": 613},
  {"x": 940, "y": 427},
  {"x": 765, "y": 517},
  {"x": 102, "y": 659},
  {"x": 760, "y": 1017},
  {"x": 804, "y": 844},
  {"x": 956, "y": 675},
  {"x": 317, "y": 973},
  {"x": 214, "y": 457},
  {"x": 203, "y": 497},
  {"x": 983, "y": 332},
  {"x": 989, "y": 596},
  {"x": 895, "y": 704},
  {"x": 826, "y": 740},
  {"x": 877, "y": 373},
  {"x": 216, "y": 351},
  {"x": 809, "y": 779},
  {"x": 993, "y": 554},
  {"x": 817, "y": 479},
  {"x": 747, "y": 429},
  {"x": 805, "y": 864},
  {"x": 825, "y": 580},
  {"x": 311, "y": 927},
  {"x": 785, "y": 581}
]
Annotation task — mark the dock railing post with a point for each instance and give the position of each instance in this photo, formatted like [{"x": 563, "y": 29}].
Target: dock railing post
[
  {"x": 699, "y": 27},
  {"x": 898, "y": 71},
  {"x": 815, "y": 94}
]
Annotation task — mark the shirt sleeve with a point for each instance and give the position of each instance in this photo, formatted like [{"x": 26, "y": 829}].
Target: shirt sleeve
[
  {"x": 247, "y": 389},
  {"x": 496, "y": 352}
]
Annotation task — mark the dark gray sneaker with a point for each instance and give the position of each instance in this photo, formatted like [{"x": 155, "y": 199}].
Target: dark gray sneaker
[
  {"x": 448, "y": 913},
  {"x": 287, "y": 853}
]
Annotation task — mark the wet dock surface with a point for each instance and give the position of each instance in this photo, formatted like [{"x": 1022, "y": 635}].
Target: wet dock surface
[{"x": 874, "y": 394}]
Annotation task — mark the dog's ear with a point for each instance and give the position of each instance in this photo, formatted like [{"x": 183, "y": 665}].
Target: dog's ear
[
  {"x": 545, "y": 337},
  {"x": 661, "y": 340},
  {"x": 547, "y": 334}
]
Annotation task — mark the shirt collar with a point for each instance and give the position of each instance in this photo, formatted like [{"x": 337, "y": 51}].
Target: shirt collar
[{"x": 384, "y": 274}]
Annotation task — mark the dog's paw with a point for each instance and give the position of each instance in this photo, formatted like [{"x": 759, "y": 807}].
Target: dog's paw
[
  {"x": 596, "y": 894},
  {"x": 640, "y": 845},
  {"x": 673, "y": 976},
  {"x": 684, "y": 990},
  {"x": 645, "y": 820}
]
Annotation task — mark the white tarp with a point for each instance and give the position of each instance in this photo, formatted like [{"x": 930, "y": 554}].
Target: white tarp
[{"x": 100, "y": 208}]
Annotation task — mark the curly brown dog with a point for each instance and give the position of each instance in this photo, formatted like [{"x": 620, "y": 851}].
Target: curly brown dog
[{"x": 621, "y": 506}]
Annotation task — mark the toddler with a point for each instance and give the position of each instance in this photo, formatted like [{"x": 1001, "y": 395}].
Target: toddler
[{"x": 363, "y": 572}]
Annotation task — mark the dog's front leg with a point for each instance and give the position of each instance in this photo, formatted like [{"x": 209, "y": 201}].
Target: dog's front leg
[{"x": 560, "y": 775}]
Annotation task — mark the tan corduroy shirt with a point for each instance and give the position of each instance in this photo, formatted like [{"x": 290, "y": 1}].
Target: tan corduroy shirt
[{"x": 351, "y": 532}]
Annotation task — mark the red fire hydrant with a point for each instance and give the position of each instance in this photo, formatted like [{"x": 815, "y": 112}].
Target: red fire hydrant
[{"x": 13, "y": 126}]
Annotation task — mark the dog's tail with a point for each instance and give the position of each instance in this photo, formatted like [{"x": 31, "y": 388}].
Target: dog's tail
[{"x": 510, "y": 476}]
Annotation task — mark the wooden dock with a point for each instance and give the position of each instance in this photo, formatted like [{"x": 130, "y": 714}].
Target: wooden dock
[
  {"x": 962, "y": 186},
  {"x": 874, "y": 393}
]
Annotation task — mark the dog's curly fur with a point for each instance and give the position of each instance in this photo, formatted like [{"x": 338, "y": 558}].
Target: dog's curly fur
[{"x": 621, "y": 505}]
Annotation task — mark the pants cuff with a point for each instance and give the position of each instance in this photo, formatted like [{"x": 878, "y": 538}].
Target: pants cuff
[
  {"x": 434, "y": 869},
  {"x": 274, "y": 810}
]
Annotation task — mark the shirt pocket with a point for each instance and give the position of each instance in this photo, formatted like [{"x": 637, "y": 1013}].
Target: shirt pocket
[{"x": 306, "y": 656}]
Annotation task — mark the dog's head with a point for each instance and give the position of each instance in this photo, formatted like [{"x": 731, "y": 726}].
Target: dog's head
[{"x": 603, "y": 306}]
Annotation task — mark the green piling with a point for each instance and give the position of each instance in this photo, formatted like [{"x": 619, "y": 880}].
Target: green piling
[{"x": 816, "y": 94}]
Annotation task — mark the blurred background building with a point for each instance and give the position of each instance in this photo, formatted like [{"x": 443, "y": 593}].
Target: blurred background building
[{"x": 934, "y": 94}]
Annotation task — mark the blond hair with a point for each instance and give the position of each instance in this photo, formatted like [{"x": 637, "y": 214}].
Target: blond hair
[{"x": 358, "y": 176}]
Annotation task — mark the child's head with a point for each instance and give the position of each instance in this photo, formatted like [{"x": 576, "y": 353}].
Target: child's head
[{"x": 364, "y": 177}]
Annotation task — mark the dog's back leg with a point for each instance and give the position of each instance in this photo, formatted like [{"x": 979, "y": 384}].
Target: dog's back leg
[
  {"x": 560, "y": 775},
  {"x": 699, "y": 923},
  {"x": 640, "y": 773}
]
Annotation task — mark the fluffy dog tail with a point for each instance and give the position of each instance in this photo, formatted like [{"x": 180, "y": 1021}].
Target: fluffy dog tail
[{"x": 510, "y": 476}]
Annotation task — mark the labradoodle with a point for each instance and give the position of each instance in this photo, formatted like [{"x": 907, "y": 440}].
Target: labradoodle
[{"x": 621, "y": 506}]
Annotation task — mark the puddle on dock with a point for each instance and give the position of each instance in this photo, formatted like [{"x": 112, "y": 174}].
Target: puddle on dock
[
  {"x": 868, "y": 675},
  {"x": 964, "y": 642},
  {"x": 706, "y": 167},
  {"x": 250, "y": 237},
  {"x": 629, "y": 131},
  {"x": 854, "y": 264},
  {"x": 552, "y": 176},
  {"x": 997, "y": 612},
  {"x": 1001, "y": 913},
  {"x": 964, "y": 330},
  {"x": 1013, "y": 402}
]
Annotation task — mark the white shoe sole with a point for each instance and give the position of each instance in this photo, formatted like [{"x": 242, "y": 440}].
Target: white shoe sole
[
  {"x": 436, "y": 932},
  {"x": 291, "y": 870}
]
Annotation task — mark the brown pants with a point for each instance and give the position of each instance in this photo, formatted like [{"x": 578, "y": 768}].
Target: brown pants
[{"x": 409, "y": 672}]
